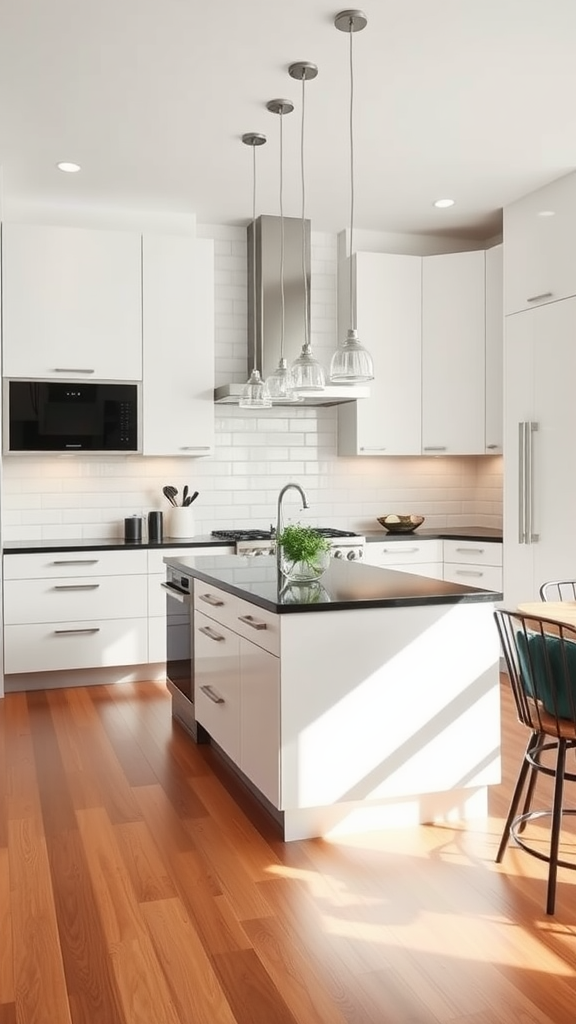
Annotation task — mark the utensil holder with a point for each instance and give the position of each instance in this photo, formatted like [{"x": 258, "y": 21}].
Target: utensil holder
[{"x": 180, "y": 522}]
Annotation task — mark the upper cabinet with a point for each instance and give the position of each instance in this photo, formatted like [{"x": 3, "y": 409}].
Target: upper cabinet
[
  {"x": 494, "y": 350},
  {"x": 453, "y": 354},
  {"x": 72, "y": 303},
  {"x": 178, "y": 317},
  {"x": 540, "y": 246},
  {"x": 389, "y": 303}
]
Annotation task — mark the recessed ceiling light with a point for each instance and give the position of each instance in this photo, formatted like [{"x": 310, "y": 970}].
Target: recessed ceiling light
[
  {"x": 443, "y": 204},
  {"x": 546, "y": 213},
  {"x": 70, "y": 168}
]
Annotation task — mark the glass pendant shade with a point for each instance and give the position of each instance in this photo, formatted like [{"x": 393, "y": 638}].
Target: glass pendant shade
[
  {"x": 280, "y": 384},
  {"x": 307, "y": 373},
  {"x": 255, "y": 393},
  {"x": 351, "y": 362}
]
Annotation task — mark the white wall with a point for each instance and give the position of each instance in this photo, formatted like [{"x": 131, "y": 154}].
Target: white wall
[{"x": 84, "y": 497}]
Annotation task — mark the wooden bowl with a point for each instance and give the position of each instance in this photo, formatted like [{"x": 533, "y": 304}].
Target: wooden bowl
[{"x": 400, "y": 524}]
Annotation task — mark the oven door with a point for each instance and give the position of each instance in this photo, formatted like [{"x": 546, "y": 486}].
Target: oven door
[{"x": 179, "y": 637}]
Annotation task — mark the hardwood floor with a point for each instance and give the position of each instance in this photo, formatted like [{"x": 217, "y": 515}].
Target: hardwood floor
[{"x": 137, "y": 888}]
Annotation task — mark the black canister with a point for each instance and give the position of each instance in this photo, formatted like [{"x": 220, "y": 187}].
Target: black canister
[
  {"x": 155, "y": 528},
  {"x": 133, "y": 530}
]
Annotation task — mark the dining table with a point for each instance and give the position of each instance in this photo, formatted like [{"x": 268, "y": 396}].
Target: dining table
[{"x": 562, "y": 612}]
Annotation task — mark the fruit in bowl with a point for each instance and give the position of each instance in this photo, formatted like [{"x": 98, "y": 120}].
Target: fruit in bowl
[{"x": 400, "y": 524}]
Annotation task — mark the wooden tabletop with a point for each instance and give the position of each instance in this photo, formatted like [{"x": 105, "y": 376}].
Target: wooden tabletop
[{"x": 558, "y": 611}]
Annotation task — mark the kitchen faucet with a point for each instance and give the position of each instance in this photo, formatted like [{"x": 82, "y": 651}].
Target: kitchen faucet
[{"x": 279, "y": 522}]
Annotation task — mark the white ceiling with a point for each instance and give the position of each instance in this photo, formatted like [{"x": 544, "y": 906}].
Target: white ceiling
[{"x": 473, "y": 99}]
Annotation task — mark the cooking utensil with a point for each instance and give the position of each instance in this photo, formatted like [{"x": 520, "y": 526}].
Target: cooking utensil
[
  {"x": 170, "y": 493},
  {"x": 185, "y": 495},
  {"x": 191, "y": 498}
]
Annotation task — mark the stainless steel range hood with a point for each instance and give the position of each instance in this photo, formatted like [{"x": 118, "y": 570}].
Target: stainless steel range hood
[{"x": 265, "y": 314}]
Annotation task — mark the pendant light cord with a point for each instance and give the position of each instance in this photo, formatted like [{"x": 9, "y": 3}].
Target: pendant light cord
[
  {"x": 303, "y": 178},
  {"x": 282, "y": 300},
  {"x": 254, "y": 295},
  {"x": 352, "y": 291}
]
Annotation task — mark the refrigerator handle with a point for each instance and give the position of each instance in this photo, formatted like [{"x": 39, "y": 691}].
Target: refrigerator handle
[
  {"x": 531, "y": 537},
  {"x": 522, "y": 483}
]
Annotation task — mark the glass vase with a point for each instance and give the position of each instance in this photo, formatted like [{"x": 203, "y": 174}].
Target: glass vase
[{"x": 305, "y": 572}]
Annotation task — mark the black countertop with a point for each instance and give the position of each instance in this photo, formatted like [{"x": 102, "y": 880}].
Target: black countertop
[
  {"x": 344, "y": 585},
  {"x": 472, "y": 533},
  {"x": 23, "y": 547}
]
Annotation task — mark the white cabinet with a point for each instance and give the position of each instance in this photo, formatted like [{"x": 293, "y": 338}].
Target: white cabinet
[
  {"x": 423, "y": 557},
  {"x": 237, "y": 683},
  {"x": 540, "y": 246},
  {"x": 473, "y": 563},
  {"x": 389, "y": 302},
  {"x": 72, "y": 303},
  {"x": 494, "y": 397},
  {"x": 178, "y": 340},
  {"x": 540, "y": 423},
  {"x": 75, "y": 610},
  {"x": 453, "y": 354}
]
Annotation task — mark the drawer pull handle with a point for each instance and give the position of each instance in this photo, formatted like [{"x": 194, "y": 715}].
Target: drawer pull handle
[
  {"x": 211, "y": 633},
  {"x": 364, "y": 448},
  {"x": 77, "y": 561},
  {"x": 71, "y": 369},
  {"x": 471, "y": 551},
  {"x": 212, "y": 695},
  {"x": 210, "y": 599},
  {"x": 402, "y": 551},
  {"x": 538, "y": 298},
  {"x": 76, "y": 586},
  {"x": 195, "y": 447},
  {"x": 250, "y": 621},
  {"x": 468, "y": 572},
  {"x": 67, "y": 632},
  {"x": 434, "y": 447},
  {"x": 491, "y": 447}
]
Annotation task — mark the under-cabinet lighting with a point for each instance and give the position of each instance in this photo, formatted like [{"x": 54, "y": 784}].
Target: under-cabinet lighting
[
  {"x": 443, "y": 204},
  {"x": 68, "y": 167}
]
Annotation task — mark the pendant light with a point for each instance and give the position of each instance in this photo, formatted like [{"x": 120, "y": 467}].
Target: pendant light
[
  {"x": 308, "y": 374},
  {"x": 280, "y": 383},
  {"x": 351, "y": 363},
  {"x": 255, "y": 394}
]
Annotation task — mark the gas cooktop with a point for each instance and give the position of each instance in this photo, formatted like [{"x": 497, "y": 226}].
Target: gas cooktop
[{"x": 234, "y": 535}]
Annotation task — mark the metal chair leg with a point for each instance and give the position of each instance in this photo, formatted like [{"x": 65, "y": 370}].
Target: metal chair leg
[
  {"x": 538, "y": 738},
  {"x": 556, "y": 825},
  {"x": 525, "y": 766}
]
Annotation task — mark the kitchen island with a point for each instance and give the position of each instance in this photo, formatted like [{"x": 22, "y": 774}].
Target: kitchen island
[{"x": 365, "y": 701}]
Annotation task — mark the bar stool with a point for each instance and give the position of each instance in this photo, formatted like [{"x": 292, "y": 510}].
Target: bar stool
[{"x": 540, "y": 656}]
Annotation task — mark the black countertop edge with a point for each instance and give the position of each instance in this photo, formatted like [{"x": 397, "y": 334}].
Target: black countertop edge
[
  {"x": 345, "y": 586},
  {"x": 28, "y": 547},
  {"x": 471, "y": 533}
]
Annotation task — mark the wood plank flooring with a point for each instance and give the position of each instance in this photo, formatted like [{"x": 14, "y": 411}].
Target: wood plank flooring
[{"x": 139, "y": 884}]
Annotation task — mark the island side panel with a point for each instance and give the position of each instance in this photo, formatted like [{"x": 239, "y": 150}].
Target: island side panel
[{"x": 387, "y": 703}]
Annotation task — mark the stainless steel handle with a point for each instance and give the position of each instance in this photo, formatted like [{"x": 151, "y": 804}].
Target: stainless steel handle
[
  {"x": 468, "y": 572},
  {"x": 67, "y": 632},
  {"x": 77, "y": 561},
  {"x": 178, "y": 595},
  {"x": 212, "y": 695},
  {"x": 400, "y": 551},
  {"x": 211, "y": 633},
  {"x": 76, "y": 586},
  {"x": 250, "y": 621},
  {"x": 492, "y": 447},
  {"x": 210, "y": 599},
  {"x": 531, "y": 537},
  {"x": 71, "y": 369},
  {"x": 521, "y": 483},
  {"x": 538, "y": 298},
  {"x": 195, "y": 447},
  {"x": 434, "y": 447},
  {"x": 471, "y": 551},
  {"x": 365, "y": 448}
]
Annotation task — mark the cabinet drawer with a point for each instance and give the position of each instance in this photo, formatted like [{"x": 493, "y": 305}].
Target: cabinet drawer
[
  {"x": 74, "y": 563},
  {"x": 487, "y": 577},
  {"x": 80, "y": 599},
  {"x": 396, "y": 553},
  {"x": 248, "y": 620},
  {"x": 473, "y": 552},
  {"x": 217, "y": 683},
  {"x": 46, "y": 647}
]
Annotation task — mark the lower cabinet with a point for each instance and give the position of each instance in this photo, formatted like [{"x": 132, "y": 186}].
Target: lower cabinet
[
  {"x": 473, "y": 563},
  {"x": 75, "y": 610},
  {"x": 237, "y": 684},
  {"x": 423, "y": 557}
]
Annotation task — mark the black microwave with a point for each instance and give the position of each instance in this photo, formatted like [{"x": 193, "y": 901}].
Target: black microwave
[{"x": 71, "y": 416}]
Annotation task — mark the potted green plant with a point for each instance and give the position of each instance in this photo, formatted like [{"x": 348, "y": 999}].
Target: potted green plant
[{"x": 304, "y": 553}]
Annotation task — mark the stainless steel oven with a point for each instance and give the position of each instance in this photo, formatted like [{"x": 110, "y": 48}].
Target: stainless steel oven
[{"x": 180, "y": 648}]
